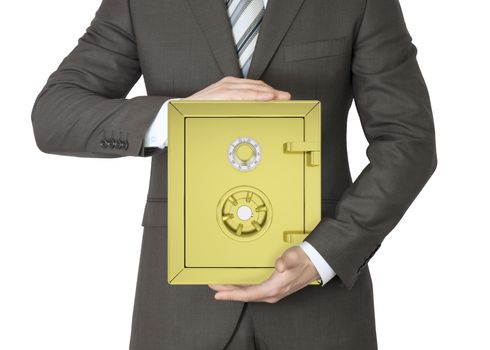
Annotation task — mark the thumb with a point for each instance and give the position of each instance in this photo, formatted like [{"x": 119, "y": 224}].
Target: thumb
[{"x": 280, "y": 265}]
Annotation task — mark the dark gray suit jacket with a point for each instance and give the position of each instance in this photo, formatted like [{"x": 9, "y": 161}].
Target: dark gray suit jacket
[{"x": 335, "y": 51}]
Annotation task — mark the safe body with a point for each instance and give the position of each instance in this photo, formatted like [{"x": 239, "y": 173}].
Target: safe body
[{"x": 244, "y": 183}]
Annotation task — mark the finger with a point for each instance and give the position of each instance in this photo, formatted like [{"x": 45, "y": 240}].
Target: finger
[
  {"x": 253, "y": 293},
  {"x": 244, "y": 82},
  {"x": 260, "y": 83},
  {"x": 283, "y": 95},
  {"x": 292, "y": 257},
  {"x": 250, "y": 94},
  {"x": 244, "y": 85},
  {"x": 278, "y": 94},
  {"x": 258, "y": 292}
]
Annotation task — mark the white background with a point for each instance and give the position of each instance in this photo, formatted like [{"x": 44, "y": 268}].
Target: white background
[{"x": 70, "y": 227}]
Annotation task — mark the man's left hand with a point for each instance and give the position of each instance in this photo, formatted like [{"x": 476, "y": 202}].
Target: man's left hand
[{"x": 293, "y": 271}]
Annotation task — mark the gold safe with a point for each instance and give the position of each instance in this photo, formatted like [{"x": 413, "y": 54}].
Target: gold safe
[{"x": 244, "y": 183}]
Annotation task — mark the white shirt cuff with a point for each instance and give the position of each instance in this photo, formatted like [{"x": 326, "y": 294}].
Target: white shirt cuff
[
  {"x": 324, "y": 270},
  {"x": 156, "y": 135}
]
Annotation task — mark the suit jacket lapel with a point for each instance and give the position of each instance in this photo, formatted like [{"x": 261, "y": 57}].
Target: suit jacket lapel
[
  {"x": 278, "y": 16},
  {"x": 213, "y": 19}
]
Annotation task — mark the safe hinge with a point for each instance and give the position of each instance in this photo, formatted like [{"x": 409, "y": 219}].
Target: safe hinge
[{"x": 311, "y": 148}]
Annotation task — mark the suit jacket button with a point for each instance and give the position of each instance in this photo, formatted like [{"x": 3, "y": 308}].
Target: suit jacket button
[
  {"x": 119, "y": 144},
  {"x": 112, "y": 142}
]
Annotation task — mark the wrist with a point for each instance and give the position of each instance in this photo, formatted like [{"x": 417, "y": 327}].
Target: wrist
[{"x": 310, "y": 266}]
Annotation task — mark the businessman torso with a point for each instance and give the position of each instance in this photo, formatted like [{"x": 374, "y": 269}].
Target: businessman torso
[{"x": 304, "y": 47}]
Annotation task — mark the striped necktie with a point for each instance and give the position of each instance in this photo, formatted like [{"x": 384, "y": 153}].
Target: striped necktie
[{"x": 245, "y": 17}]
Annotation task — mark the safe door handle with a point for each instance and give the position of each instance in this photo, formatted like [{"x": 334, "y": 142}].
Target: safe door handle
[
  {"x": 295, "y": 237},
  {"x": 311, "y": 148}
]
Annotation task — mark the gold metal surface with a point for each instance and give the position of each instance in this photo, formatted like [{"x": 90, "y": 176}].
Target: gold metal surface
[{"x": 243, "y": 186}]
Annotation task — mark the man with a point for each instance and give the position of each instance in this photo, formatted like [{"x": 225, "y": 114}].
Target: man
[{"x": 331, "y": 50}]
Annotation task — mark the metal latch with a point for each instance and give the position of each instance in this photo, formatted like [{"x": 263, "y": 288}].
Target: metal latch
[
  {"x": 295, "y": 237},
  {"x": 311, "y": 148}
]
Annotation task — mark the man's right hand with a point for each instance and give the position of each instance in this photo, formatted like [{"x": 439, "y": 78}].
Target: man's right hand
[{"x": 233, "y": 88}]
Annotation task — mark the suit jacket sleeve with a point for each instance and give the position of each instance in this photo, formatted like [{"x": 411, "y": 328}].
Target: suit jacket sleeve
[
  {"x": 83, "y": 104},
  {"x": 394, "y": 107}
]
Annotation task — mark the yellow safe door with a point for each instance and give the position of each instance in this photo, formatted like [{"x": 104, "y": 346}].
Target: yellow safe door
[
  {"x": 236, "y": 217},
  {"x": 244, "y": 184}
]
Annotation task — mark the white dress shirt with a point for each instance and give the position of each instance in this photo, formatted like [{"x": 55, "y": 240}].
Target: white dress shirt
[{"x": 156, "y": 136}]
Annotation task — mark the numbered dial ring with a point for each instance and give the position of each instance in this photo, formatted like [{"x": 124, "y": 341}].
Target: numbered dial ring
[{"x": 244, "y": 153}]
